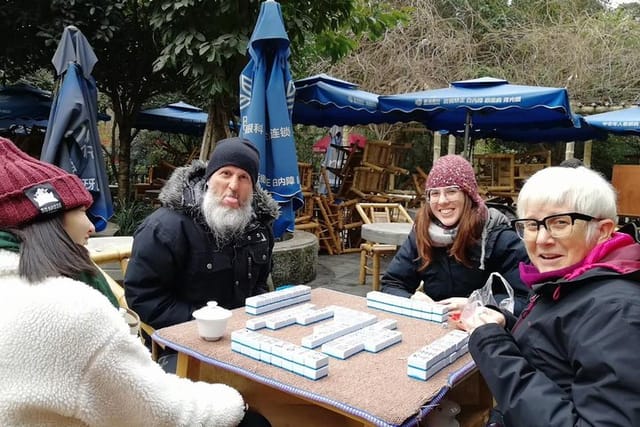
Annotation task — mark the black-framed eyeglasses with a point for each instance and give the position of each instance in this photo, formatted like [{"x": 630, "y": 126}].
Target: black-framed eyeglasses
[
  {"x": 450, "y": 193},
  {"x": 558, "y": 226}
]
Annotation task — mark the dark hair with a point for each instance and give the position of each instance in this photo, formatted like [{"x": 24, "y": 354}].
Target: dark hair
[
  {"x": 47, "y": 250},
  {"x": 571, "y": 163},
  {"x": 469, "y": 233}
]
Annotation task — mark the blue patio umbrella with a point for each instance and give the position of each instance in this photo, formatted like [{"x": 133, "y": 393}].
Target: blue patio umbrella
[
  {"x": 27, "y": 106},
  {"x": 72, "y": 140},
  {"x": 622, "y": 122},
  {"x": 178, "y": 117},
  {"x": 266, "y": 102},
  {"x": 322, "y": 100},
  {"x": 482, "y": 104},
  {"x": 552, "y": 134},
  {"x": 23, "y": 105}
]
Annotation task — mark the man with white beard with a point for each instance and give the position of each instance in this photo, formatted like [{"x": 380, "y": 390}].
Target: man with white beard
[{"x": 210, "y": 241}]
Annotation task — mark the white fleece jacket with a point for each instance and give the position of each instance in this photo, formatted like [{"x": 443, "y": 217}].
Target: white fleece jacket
[{"x": 68, "y": 359}]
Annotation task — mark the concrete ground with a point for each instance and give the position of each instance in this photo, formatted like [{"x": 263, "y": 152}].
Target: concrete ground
[{"x": 340, "y": 273}]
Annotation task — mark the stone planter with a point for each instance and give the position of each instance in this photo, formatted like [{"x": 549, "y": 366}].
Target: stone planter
[{"x": 295, "y": 260}]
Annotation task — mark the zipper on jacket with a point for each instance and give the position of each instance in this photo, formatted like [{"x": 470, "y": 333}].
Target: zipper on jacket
[{"x": 526, "y": 311}]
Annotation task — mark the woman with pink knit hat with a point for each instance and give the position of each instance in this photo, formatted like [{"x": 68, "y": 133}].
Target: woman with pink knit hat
[
  {"x": 456, "y": 243},
  {"x": 68, "y": 358}
]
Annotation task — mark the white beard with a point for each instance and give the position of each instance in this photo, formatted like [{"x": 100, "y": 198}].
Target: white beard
[{"x": 225, "y": 223}]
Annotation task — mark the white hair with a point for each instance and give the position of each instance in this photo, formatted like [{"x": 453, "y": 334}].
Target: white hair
[
  {"x": 225, "y": 223},
  {"x": 582, "y": 189}
]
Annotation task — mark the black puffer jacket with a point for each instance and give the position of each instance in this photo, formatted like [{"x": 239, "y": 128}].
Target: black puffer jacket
[
  {"x": 446, "y": 277},
  {"x": 176, "y": 265},
  {"x": 573, "y": 357}
]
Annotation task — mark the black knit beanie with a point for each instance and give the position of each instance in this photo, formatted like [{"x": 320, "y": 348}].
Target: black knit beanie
[{"x": 236, "y": 152}]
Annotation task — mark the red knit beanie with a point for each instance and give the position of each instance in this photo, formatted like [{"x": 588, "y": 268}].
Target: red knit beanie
[
  {"x": 31, "y": 189},
  {"x": 455, "y": 170}
]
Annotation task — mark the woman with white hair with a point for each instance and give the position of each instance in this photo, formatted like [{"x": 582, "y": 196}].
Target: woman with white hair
[{"x": 570, "y": 359}]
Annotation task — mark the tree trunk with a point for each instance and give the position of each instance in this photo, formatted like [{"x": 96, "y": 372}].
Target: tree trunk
[
  {"x": 124, "y": 160},
  {"x": 217, "y": 128}
]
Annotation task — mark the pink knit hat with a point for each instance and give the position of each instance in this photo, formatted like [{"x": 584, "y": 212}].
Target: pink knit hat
[
  {"x": 31, "y": 189},
  {"x": 455, "y": 170}
]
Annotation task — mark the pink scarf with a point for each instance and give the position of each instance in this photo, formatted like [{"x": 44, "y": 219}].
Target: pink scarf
[{"x": 597, "y": 258}]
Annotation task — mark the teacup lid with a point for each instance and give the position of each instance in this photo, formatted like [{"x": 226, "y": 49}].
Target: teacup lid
[{"x": 212, "y": 311}]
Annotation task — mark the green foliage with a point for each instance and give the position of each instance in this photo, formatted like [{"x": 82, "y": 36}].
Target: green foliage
[
  {"x": 206, "y": 41},
  {"x": 305, "y": 137},
  {"x": 368, "y": 20},
  {"x": 615, "y": 150},
  {"x": 129, "y": 214},
  {"x": 553, "y": 11}
]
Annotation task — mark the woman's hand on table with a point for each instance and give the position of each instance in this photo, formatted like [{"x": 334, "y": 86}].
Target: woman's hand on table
[
  {"x": 454, "y": 306},
  {"x": 481, "y": 316},
  {"x": 421, "y": 296}
]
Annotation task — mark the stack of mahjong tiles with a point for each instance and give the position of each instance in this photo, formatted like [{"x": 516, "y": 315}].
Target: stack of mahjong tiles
[
  {"x": 303, "y": 314},
  {"x": 345, "y": 321},
  {"x": 302, "y": 361},
  {"x": 373, "y": 339},
  {"x": 428, "y": 360},
  {"x": 350, "y": 332},
  {"x": 426, "y": 310},
  {"x": 270, "y": 301}
]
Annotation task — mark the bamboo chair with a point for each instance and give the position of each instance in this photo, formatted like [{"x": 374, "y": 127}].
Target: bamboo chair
[
  {"x": 122, "y": 257},
  {"x": 305, "y": 217},
  {"x": 328, "y": 220},
  {"x": 344, "y": 216},
  {"x": 419, "y": 178},
  {"x": 372, "y": 213}
]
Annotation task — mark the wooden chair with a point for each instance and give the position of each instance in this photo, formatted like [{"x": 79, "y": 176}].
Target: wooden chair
[
  {"x": 370, "y": 184},
  {"x": 305, "y": 217},
  {"x": 419, "y": 179},
  {"x": 371, "y": 213},
  {"x": 343, "y": 217},
  {"x": 329, "y": 226},
  {"x": 122, "y": 257}
]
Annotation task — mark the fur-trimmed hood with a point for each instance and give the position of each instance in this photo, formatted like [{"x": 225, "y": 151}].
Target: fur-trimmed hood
[{"x": 186, "y": 186}]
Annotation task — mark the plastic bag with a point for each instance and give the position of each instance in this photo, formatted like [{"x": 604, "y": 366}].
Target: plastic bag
[{"x": 484, "y": 296}]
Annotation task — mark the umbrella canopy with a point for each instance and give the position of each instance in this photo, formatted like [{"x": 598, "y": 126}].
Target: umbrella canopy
[
  {"x": 553, "y": 134},
  {"x": 623, "y": 122},
  {"x": 23, "y": 105},
  {"x": 72, "y": 141},
  {"x": 266, "y": 102},
  {"x": 483, "y": 104},
  {"x": 26, "y": 105},
  {"x": 322, "y": 100},
  {"x": 178, "y": 117}
]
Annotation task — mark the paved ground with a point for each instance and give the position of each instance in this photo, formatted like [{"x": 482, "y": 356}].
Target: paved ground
[{"x": 340, "y": 272}]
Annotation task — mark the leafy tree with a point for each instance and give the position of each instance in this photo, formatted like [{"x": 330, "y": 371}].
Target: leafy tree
[
  {"x": 205, "y": 41},
  {"x": 119, "y": 33}
]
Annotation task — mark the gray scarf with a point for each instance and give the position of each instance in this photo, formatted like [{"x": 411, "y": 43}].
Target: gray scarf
[
  {"x": 443, "y": 237},
  {"x": 440, "y": 236}
]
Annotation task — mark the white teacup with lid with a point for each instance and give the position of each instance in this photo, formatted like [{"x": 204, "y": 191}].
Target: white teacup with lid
[{"x": 212, "y": 321}]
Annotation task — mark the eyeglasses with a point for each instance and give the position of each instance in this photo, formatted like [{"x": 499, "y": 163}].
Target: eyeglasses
[
  {"x": 558, "y": 226},
  {"x": 450, "y": 193}
]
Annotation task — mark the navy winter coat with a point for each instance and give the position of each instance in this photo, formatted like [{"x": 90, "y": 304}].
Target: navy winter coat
[
  {"x": 445, "y": 277},
  {"x": 572, "y": 358},
  {"x": 176, "y": 265}
]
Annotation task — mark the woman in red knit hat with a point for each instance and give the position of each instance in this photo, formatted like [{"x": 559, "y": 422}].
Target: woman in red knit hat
[
  {"x": 456, "y": 243},
  {"x": 68, "y": 358}
]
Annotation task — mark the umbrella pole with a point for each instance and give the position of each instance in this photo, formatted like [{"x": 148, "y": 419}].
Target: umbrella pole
[{"x": 467, "y": 127}]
